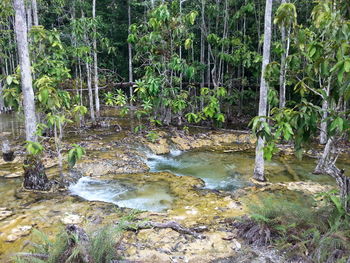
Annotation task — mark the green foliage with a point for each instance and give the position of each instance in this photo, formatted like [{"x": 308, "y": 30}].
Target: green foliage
[
  {"x": 302, "y": 231},
  {"x": 110, "y": 99},
  {"x": 75, "y": 154},
  {"x": 34, "y": 148},
  {"x": 286, "y": 15},
  {"x": 152, "y": 136},
  {"x": 101, "y": 246},
  {"x": 79, "y": 111}
]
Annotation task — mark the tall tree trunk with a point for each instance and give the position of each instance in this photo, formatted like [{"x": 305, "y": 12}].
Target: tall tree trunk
[
  {"x": 131, "y": 78},
  {"x": 259, "y": 155},
  {"x": 282, "y": 102},
  {"x": 91, "y": 99},
  {"x": 29, "y": 16},
  {"x": 88, "y": 77},
  {"x": 35, "y": 13},
  {"x": 202, "y": 52},
  {"x": 325, "y": 106},
  {"x": 34, "y": 172},
  {"x": 2, "y": 103},
  {"x": 26, "y": 77},
  {"x": 97, "y": 99}
]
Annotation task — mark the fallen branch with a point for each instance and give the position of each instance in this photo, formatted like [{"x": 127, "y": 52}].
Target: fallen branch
[{"x": 171, "y": 224}]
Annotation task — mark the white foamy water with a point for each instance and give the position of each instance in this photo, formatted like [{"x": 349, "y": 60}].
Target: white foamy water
[{"x": 145, "y": 197}]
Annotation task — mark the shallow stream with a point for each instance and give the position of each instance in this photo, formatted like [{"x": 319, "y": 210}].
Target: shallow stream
[{"x": 218, "y": 170}]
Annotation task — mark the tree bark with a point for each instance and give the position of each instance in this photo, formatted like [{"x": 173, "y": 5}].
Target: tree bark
[
  {"x": 97, "y": 99},
  {"x": 7, "y": 153},
  {"x": 259, "y": 154},
  {"x": 2, "y": 103},
  {"x": 34, "y": 172},
  {"x": 324, "y": 124},
  {"x": 282, "y": 102},
  {"x": 29, "y": 16},
  {"x": 91, "y": 99},
  {"x": 35, "y": 13},
  {"x": 26, "y": 77},
  {"x": 326, "y": 165},
  {"x": 131, "y": 78}
]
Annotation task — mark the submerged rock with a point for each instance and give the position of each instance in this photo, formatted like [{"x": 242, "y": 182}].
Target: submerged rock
[
  {"x": 5, "y": 213},
  {"x": 18, "y": 232}
]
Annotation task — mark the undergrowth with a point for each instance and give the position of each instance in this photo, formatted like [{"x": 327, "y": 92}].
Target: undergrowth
[
  {"x": 99, "y": 246},
  {"x": 303, "y": 230},
  {"x": 68, "y": 248}
]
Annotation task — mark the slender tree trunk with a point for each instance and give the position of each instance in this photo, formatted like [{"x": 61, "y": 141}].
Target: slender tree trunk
[
  {"x": 2, "y": 103},
  {"x": 224, "y": 36},
  {"x": 88, "y": 77},
  {"x": 202, "y": 52},
  {"x": 91, "y": 99},
  {"x": 259, "y": 157},
  {"x": 26, "y": 77},
  {"x": 34, "y": 172},
  {"x": 97, "y": 99},
  {"x": 29, "y": 16},
  {"x": 325, "y": 106},
  {"x": 131, "y": 78},
  {"x": 285, "y": 45},
  {"x": 35, "y": 13}
]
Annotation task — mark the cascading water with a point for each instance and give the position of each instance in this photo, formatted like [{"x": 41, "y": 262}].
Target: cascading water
[{"x": 151, "y": 197}]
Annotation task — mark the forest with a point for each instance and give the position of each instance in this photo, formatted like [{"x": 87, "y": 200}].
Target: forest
[{"x": 175, "y": 131}]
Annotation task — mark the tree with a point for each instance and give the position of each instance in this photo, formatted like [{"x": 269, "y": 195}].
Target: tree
[
  {"x": 35, "y": 13},
  {"x": 324, "y": 48},
  {"x": 34, "y": 173},
  {"x": 259, "y": 153},
  {"x": 26, "y": 76},
  {"x": 94, "y": 41},
  {"x": 286, "y": 18},
  {"x": 131, "y": 78}
]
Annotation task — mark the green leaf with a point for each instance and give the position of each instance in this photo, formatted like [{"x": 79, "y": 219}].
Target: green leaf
[
  {"x": 347, "y": 66},
  {"x": 188, "y": 43},
  {"x": 9, "y": 80}
]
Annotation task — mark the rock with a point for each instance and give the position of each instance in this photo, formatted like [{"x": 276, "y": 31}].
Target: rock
[
  {"x": 5, "y": 213},
  {"x": 159, "y": 147},
  {"x": 71, "y": 219},
  {"x": 149, "y": 255},
  {"x": 308, "y": 187},
  {"x": 236, "y": 244},
  {"x": 18, "y": 232},
  {"x": 112, "y": 163},
  {"x": 14, "y": 175},
  {"x": 181, "y": 143}
]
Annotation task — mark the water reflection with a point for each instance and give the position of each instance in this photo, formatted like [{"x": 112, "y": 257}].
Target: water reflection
[{"x": 11, "y": 125}]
